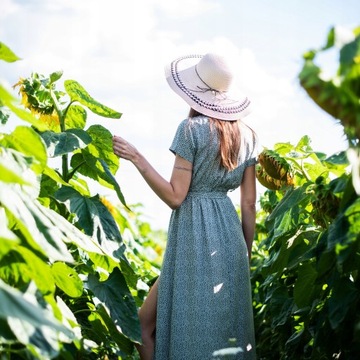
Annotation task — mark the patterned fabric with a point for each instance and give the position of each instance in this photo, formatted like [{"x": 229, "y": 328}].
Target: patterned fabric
[{"x": 204, "y": 296}]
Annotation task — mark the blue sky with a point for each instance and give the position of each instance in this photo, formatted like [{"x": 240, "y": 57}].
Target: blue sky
[{"x": 117, "y": 50}]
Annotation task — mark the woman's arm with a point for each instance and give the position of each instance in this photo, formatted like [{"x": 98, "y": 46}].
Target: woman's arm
[
  {"x": 172, "y": 192},
  {"x": 247, "y": 205}
]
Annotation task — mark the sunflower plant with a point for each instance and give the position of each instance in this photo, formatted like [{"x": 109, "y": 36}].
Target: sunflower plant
[
  {"x": 72, "y": 269},
  {"x": 306, "y": 259}
]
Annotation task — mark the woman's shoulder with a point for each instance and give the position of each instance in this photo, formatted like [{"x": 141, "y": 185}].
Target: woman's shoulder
[
  {"x": 247, "y": 134},
  {"x": 194, "y": 124},
  {"x": 200, "y": 119},
  {"x": 196, "y": 121},
  {"x": 249, "y": 142}
]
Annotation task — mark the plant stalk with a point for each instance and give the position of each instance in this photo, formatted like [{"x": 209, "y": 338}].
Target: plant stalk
[{"x": 61, "y": 115}]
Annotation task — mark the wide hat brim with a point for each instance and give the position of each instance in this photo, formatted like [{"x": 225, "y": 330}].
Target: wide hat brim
[{"x": 183, "y": 78}]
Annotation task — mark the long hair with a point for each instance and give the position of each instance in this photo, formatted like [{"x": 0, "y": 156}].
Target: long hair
[{"x": 229, "y": 140}]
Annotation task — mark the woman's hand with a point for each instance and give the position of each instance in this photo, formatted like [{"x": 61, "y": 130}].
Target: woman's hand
[{"x": 124, "y": 149}]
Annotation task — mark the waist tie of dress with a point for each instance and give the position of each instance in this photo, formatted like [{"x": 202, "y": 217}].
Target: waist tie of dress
[{"x": 207, "y": 194}]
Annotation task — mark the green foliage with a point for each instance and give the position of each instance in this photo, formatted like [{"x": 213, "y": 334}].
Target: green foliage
[
  {"x": 339, "y": 95},
  {"x": 305, "y": 269},
  {"x": 78, "y": 93},
  {"x": 69, "y": 285},
  {"x": 306, "y": 261}
]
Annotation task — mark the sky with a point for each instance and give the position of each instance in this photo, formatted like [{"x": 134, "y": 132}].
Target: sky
[{"x": 117, "y": 51}]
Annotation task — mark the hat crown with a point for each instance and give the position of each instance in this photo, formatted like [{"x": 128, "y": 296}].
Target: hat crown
[
  {"x": 205, "y": 83},
  {"x": 215, "y": 72}
]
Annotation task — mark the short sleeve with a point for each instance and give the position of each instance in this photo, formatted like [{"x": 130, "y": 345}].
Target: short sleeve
[
  {"x": 183, "y": 143},
  {"x": 251, "y": 161}
]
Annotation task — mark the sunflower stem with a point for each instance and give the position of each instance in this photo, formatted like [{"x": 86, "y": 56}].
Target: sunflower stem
[{"x": 61, "y": 115}]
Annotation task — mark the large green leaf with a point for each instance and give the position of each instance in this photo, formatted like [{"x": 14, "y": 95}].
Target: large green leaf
[
  {"x": 100, "y": 148},
  {"x": 292, "y": 198},
  {"x": 338, "y": 159},
  {"x": 108, "y": 263},
  {"x": 283, "y": 225},
  {"x": 53, "y": 175},
  {"x": 41, "y": 342},
  {"x": 25, "y": 140},
  {"x": 7, "y": 54},
  {"x": 94, "y": 218},
  {"x": 44, "y": 229},
  {"x": 116, "y": 296},
  {"x": 111, "y": 180},
  {"x": 10, "y": 175},
  {"x": 67, "y": 279},
  {"x": 68, "y": 318},
  {"x": 353, "y": 216},
  {"x": 305, "y": 289},
  {"x": 72, "y": 235},
  {"x": 89, "y": 165},
  {"x": 281, "y": 303},
  {"x": 65, "y": 142},
  {"x": 80, "y": 185},
  {"x": 14, "y": 304},
  {"x": 7, "y": 238},
  {"x": 42, "y": 232},
  {"x": 17, "y": 171},
  {"x": 98, "y": 160},
  {"x": 123, "y": 342},
  {"x": 344, "y": 294},
  {"x": 338, "y": 232},
  {"x": 21, "y": 266},
  {"x": 301, "y": 247},
  {"x": 5, "y": 233},
  {"x": 75, "y": 117},
  {"x": 314, "y": 167},
  {"x": 78, "y": 93},
  {"x": 348, "y": 54},
  {"x": 99, "y": 330},
  {"x": 129, "y": 273}
]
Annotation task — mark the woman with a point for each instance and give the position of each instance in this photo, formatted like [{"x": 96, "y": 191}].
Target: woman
[{"x": 201, "y": 302}]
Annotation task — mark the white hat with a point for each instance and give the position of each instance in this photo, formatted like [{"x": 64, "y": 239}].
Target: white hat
[{"x": 204, "y": 82}]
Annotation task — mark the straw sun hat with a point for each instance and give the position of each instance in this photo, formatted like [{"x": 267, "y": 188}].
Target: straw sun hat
[{"x": 205, "y": 83}]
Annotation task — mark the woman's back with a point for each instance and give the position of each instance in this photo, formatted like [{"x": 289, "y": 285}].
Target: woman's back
[{"x": 196, "y": 140}]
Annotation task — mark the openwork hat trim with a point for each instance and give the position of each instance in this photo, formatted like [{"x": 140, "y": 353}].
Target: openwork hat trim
[{"x": 210, "y": 106}]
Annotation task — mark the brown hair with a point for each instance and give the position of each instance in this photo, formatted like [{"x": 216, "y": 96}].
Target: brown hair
[{"x": 229, "y": 140}]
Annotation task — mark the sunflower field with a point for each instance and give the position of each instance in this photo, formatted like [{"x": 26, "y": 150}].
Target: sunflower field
[{"x": 75, "y": 266}]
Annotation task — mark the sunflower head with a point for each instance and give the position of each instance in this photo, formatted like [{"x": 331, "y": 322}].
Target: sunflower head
[
  {"x": 37, "y": 93},
  {"x": 109, "y": 206},
  {"x": 273, "y": 171}
]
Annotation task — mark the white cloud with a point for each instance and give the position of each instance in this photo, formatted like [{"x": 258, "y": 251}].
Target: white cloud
[{"x": 8, "y": 7}]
